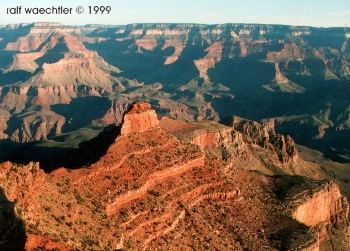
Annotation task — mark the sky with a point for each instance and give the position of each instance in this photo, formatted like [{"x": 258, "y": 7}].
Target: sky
[{"x": 319, "y": 13}]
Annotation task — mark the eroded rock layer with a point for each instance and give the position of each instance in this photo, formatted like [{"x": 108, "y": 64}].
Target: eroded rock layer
[
  {"x": 193, "y": 72},
  {"x": 153, "y": 190},
  {"x": 140, "y": 118}
]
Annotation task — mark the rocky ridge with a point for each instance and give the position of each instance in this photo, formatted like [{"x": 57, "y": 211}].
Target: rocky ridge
[
  {"x": 193, "y": 71},
  {"x": 152, "y": 190},
  {"x": 140, "y": 118},
  {"x": 265, "y": 136}
]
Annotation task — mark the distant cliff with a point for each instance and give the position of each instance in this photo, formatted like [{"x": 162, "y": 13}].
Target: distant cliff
[{"x": 297, "y": 76}]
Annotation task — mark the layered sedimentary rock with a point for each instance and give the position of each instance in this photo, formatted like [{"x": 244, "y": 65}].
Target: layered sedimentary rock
[
  {"x": 147, "y": 43},
  {"x": 116, "y": 113},
  {"x": 39, "y": 33},
  {"x": 38, "y": 126},
  {"x": 178, "y": 48},
  {"x": 150, "y": 190},
  {"x": 265, "y": 136},
  {"x": 289, "y": 52},
  {"x": 177, "y": 110},
  {"x": 50, "y": 95},
  {"x": 214, "y": 55},
  {"x": 180, "y": 111},
  {"x": 200, "y": 68},
  {"x": 320, "y": 206},
  {"x": 4, "y": 117},
  {"x": 213, "y": 139},
  {"x": 229, "y": 142},
  {"x": 140, "y": 118},
  {"x": 323, "y": 205},
  {"x": 27, "y": 43},
  {"x": 14, "y": 98},
  {"x": 76, "y": 68},
  {"x": 25, "y": 61},
  {"x": 207, "y": 112},
  {"x": 254, "y": 146}
]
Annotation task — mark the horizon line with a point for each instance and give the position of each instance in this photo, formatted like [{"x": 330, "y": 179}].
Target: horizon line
[{"x": 175, "y": 23}]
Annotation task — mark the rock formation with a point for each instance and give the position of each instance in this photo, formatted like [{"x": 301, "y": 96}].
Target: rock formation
[
  {"x": 139, "y": 118},
  {"x": 116, "y": 113},
  {"x": 150, "y": 190},
  {"x": 4, "y": 117},
  {"x": 289, "y": 52},
  {"x": 76, "y": 68},
  {"x": 320, "y": 206},
  {"x": 25, "y": 61},
  {"x": 38, "y": 126},
  {"x": 27, "y": 43},
  {"x": 147, "y": 43},
  {"x": 325, "y": 205},
  {"x": 213, "y": 56},
  {"x": 265, "y": 136},
  {"x": 178, "y": 48},
  {"x": 215, "y": 140},
  {"x": 194, "y": 72}
]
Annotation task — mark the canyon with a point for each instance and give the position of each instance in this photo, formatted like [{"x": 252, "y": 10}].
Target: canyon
[
  {"x": 190, "y": 72},
  {"x": 163, "y": 182},
  {"x": 174, "y": 136}
]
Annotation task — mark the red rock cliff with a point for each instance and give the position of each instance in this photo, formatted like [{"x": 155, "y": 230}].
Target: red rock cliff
[
  {"x": 325, "y": 205},
  {"x": 264, "y": 135},
  {"x": 140, "y": 118}
]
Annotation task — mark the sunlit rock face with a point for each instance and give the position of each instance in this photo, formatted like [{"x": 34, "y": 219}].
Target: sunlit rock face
[
  {"x": 264, "y": 135},
  {"x": 154, "y": 181},
  {"x": 194, "y": 72},
  {"x": 140, "y": 118},
  {"x": 325, "y": 205}
]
